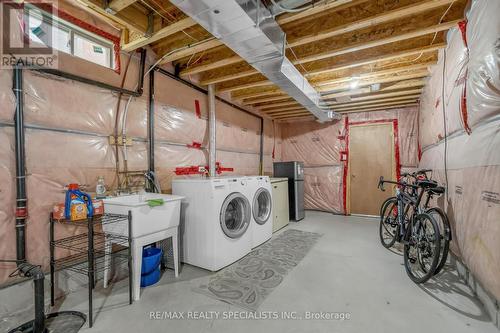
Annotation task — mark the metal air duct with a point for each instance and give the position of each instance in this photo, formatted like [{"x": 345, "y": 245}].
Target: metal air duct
[{"x": 249, "y": 29}]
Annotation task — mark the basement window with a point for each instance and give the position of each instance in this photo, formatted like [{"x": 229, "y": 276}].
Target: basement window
[{"x": 70, "y": 38}]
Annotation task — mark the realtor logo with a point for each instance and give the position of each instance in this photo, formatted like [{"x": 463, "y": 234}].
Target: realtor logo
[{"x": 26, "y": 34}]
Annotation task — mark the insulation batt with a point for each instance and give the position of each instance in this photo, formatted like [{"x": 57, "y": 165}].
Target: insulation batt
[
  {"x": 319, "y": 146},
  {"x": 55, "y": 159},
  {"x": 468, "y": 164}
]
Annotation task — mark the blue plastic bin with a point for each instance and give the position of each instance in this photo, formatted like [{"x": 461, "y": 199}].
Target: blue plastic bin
[
  {"x": 151, "y": 278},
  {"x": 151, "y": 259}
]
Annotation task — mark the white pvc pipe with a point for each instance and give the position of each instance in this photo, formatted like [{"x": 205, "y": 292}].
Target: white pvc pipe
[{"x": 212, "y": 131}]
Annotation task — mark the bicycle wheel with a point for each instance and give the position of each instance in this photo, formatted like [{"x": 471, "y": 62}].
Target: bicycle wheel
[
  {"x": 422, "y": 249},
  {"x": 388, "y": 228},
  {"x": 445, "y": 232}
]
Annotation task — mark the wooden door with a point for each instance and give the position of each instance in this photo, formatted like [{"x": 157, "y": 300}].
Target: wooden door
[{"x": 371, "y": 155}]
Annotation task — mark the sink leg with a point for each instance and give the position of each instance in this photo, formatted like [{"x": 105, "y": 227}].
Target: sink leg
[
  {"x": 136, "y": 269},
  {"x": 175, "y": 249}
]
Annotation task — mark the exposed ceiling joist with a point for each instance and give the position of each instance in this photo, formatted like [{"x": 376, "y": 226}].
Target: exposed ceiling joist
[
  {"x": 384, "y": 57},
  {"x": 312, "y": 74},
  {"x": 160, "y": 34},
  {"x": 382, "y": 100},
  {"x": 382, "y": 108},
  {"x": 192, "y": 49},
  {"x": 365, "y": 45},
  {"x": 117, "y": 5},
  {"x": 402, "y": 102},
  {"x": 387, "y": 16},
  {"x": 376, "y": 80},
  {"x": 287, "y": 18},
  {"x": 251, "y": 101},
  {"x": 378, "y": 96},
  {"x": 320, "y": 85},
  {"x": 118, "y": 19}
]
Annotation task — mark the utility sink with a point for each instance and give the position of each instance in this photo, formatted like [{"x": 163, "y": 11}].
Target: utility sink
[{"x": 145, "y": 220}]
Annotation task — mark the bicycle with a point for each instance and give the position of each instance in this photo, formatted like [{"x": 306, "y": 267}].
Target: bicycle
[
  {"x": 387, "y": 223},
  {"x": 417, "y": 230}
]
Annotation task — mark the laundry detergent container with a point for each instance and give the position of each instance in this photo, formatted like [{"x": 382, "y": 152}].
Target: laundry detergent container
[{"x": 150, "y": 270}]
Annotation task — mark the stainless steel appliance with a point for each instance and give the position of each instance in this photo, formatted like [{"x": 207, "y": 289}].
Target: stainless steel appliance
[{"x": 294, "y": 171}]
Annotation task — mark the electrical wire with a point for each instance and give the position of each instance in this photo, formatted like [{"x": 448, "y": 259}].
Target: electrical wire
[{"x": 432, "y": 41}]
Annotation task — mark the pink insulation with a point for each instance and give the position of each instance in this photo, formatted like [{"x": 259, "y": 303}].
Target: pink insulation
[
  {"x": 55, "y": 157},
  {"x": 469, "y": 163},
  {"x": 319, "y": 146}
]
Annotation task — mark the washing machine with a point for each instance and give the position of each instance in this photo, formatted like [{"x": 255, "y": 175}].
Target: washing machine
[
  {"x": 215, "y": 221},
  {"x": 262, "y": 218}
]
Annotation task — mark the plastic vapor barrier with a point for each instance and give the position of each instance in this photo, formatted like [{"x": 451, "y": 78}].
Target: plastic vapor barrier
[
  {"x": 319, "y": 146},
  {"x": 465, "y": 154},
  {"x": 68, "y": 125}
]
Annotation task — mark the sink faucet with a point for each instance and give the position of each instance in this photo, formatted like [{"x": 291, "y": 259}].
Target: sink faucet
[{"x": 152, "y": 180}]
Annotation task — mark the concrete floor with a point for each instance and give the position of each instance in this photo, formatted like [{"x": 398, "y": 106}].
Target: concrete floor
[{"x": 347, "y": 271}]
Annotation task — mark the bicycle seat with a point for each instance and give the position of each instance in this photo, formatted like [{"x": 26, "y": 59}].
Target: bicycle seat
[
  {"x": 437, "y": 190},
  {"x": 426, "y": 183}
]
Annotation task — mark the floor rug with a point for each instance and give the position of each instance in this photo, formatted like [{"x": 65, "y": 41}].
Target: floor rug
[{"x": 250, "y": 280}]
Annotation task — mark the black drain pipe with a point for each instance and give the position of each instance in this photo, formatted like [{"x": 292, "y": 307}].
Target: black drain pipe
[
  {"x": 23, "y": 268},
  {"x": 151, "y": 124}
]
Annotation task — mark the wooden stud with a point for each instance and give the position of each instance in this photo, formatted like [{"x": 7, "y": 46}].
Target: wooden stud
[
  {"x": 260, "y": 83},
  {"x": 212, "y": 65},
  {"x": 252, "y": 101}
]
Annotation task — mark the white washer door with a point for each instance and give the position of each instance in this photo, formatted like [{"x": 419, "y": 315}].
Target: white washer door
[
  {"x": 262, "y": 206},
  {"x": 235, "y": 215}
]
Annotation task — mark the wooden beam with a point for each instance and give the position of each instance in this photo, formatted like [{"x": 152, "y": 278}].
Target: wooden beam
[
  {"x": 212, "y": 65},
  {"x": 383, "y": 17},
  {"x": 385, "y": 57},
  {"x": 273, "y": 105},
  {"x": 313, "y": 73},
  {"x": 252, "y": 101},
  {"x": 228, "y": 77},
  {"x": 368, "y": 102},
  {"x": 192, "y": 49},
  {"x": 382, "y": 108},
  {"x": 277, "y": 114},
  {"x": 261, "y": 83},
  {"x": 287, "y": 18},
  {"x": 117, "y": 19},
  {"x": 394, "y": 78},
  {"x": 365, "y": 45},
  {"x": 396, "y": 86},
  {"x": 412, "y": 100},
  {"x": 295, "y": 116},
  {"x": 160, "y": 34},
  {"x": 390, "y": 71},
  {"x": 118, "y": 5},
  {"x": 377, "y": 96},
  {"x": 294, "y": 108}
]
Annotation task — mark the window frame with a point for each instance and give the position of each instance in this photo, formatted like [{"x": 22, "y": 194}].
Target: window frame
[{"x": 74, "y": 29}]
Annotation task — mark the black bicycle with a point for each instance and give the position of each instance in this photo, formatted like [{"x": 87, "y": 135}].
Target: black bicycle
[
  {"x": 388, "y": 211},
  {"x": 410, "y": 225}
]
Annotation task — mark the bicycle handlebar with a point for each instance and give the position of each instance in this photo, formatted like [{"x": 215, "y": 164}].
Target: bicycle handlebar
[{"x": 381, "y": 182}]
